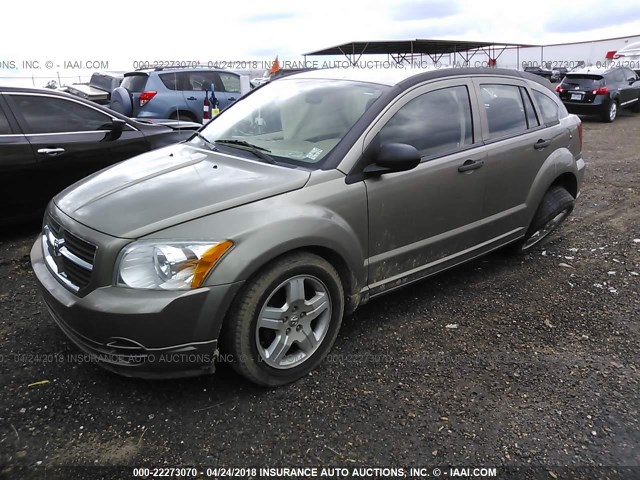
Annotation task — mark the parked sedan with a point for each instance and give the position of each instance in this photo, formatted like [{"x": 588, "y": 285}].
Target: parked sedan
[
  {"x": 49, "y": 140},
  {"x": 306, "y": 198}
]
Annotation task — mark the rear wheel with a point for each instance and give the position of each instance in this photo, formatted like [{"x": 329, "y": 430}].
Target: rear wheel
[
  {"x": 285, "y": 320},
  {"x": 557, "y": 204},
  {"x": 610, "y": 112}
]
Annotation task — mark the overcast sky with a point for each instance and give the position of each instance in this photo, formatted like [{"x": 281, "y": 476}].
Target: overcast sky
[{"x": 124, "y": 31}]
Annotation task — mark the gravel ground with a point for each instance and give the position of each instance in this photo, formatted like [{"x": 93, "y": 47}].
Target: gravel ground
[{"x": 540, "y": 369}]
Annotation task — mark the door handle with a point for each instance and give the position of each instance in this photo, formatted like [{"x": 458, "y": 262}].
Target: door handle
[
  {"x": 232, "y": 99},
  {"x": 192, "y": 98},
  {"x": 540, "y": 144},
  {"x": 470, "y": 165},
  {"x": 52, "y": 152}
]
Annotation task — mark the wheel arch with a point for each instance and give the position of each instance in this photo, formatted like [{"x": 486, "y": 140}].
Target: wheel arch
[{"x": 187, "y": 113}]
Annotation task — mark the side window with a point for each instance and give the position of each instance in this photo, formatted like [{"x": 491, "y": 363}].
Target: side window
[
  {"x": 435, "y": 123},
  {"x": 230, "y": 82},
  {"x": 548, "y": 108},
  {"x": 44, "y": 114},
  {"x": 505, "y": 110},
  {"x": 172, "y": 80},
  {"x": 5, "y": 129},
  {"x": 619, "y": 76},
  {"x": 199, "y": 81},
  {"x": 532, "y": 119}
]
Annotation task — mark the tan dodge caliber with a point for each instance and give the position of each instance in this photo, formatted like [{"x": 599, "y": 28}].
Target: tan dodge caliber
[{"x": 306, "y": 198}]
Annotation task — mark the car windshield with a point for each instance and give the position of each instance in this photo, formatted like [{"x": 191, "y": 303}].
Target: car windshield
[
  {"x": 583, "y": 82},
  {"x": 297, "y": 121}
]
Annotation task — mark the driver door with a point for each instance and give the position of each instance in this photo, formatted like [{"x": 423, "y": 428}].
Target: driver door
[{"x": 427, "y": 218}]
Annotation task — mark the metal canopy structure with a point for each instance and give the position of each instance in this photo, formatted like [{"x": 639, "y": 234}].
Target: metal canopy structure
[{"x": 407, "y": 50}]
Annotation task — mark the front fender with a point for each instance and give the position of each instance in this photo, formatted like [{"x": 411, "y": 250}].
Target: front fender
[{"x": 266, "y": 229}]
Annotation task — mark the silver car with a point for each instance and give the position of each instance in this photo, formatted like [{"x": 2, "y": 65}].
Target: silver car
[{"x": 305, "y": 199}]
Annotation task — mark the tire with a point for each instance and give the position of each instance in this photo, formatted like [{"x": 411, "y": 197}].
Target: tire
[
  {"x": 610, "y": 113},
  {"x": 557, "y": 204},
  {"x": 185, "y": 117},
  {"x": 296, "y": 334}
]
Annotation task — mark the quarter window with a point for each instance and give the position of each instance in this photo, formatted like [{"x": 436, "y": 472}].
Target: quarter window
[
  {"x": 548, "y": 108},
  {"x": 505, "y": 110},
  {"x": 44, "y": 114},
  {"x": 532, "y": 119},
  {"x": 435, "y": 123}
]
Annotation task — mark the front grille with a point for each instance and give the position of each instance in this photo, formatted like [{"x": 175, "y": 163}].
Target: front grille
[{"x": 69, "y": 257}]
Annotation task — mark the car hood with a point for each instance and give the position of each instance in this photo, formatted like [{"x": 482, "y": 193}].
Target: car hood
[{"x": 171, "y": 185}]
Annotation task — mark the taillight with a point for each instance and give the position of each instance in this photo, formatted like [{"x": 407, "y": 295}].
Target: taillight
[
  {"x": 145, "y": 97},
  {"x": 600, "y": 91},
  {"x": 559, "y": 89},
  {"x": 580, "y": 134}
]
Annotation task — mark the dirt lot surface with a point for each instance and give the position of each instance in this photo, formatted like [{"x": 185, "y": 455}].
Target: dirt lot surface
[{"x": 507, "y": 361}]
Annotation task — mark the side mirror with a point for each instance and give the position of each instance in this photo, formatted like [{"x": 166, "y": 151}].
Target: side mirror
[
  {"x": 117, "y": 125},
  {"x": 115, "y": 130},
  {"x": 394, "y": 157}
]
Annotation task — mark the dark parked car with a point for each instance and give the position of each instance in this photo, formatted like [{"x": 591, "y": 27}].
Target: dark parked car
[
  {"x": 303, "y": 200},
  {"x": 541, "y": 72},
  {"x": 49, "y": 140},
  {"x": 596, "y": 91}
]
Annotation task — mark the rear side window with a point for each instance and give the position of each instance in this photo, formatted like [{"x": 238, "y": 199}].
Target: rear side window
[
  {"x": 582, "y": 82},
  {"x": 548, "y": 108},
  {"x": 505, "y": 109},
  {"x": 174, "y": 81},
  {"x": 135, "y": 83},
  {"x": 5, "y": 129},
  {"x": 230, "y": 82},
  {"x": 200, "y": 81},
  {"x": 436, "y": 123},
  {"x": 44, "y": 114}
]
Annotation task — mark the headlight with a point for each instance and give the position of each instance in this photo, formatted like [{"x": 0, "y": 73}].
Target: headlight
[{"x": 170, "y": 265}]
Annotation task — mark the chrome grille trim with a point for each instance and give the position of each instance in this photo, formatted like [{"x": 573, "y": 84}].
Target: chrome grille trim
[{"x": 63, "y": 257}]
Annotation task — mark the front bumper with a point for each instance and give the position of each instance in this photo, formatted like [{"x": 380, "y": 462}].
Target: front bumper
[{"x": 139, "y": 333}]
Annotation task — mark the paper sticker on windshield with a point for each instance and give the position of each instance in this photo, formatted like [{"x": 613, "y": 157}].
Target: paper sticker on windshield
[{"x": 314, "y": 153}]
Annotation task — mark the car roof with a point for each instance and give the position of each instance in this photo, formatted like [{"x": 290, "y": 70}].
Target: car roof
[{"x": 407, "y": 76}]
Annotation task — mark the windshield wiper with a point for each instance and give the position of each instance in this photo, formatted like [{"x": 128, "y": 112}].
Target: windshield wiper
[
  {"x": 255, "y": 149},
  {"x": 208, "y": 142}
]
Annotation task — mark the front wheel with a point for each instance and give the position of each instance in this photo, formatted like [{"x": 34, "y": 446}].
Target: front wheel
[
  {"x": 557, "y": 204},
  {"x": 286, "y": 320}
]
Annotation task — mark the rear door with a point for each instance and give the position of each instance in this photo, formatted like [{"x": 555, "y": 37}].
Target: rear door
[
  {"x": 135, "y": 83},
  {"x": 519, "y": 138},
  {"x": 195, "y": 86},
  {"x": 20, "y": 195},
  {"x": 425, "y": 219},
  {"x": 70, "y": 139}
]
